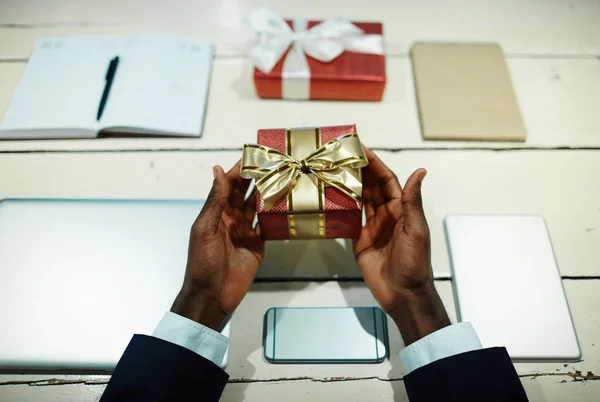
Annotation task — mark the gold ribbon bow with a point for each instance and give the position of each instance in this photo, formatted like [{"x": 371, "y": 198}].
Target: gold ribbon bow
[{"x": 335, "y": 163}]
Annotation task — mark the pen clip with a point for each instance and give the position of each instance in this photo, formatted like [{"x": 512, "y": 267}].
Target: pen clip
[{"x": 110, "y": 72}]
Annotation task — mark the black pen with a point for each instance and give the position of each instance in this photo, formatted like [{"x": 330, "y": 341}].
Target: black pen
[{"x": 110, "y": 76}]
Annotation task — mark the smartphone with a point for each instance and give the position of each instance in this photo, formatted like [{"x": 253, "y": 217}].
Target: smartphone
[{"x": 325, "y": 335}]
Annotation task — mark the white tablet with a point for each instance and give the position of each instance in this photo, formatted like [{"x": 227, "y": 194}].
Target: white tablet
[{"x": 507, "y": 284}]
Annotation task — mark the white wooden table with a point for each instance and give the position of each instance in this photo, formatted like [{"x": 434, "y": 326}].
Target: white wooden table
[{"x": 552, "y": 50}]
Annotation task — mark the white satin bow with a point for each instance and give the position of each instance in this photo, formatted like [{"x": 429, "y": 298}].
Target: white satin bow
[{"x": 324, "y": 42}]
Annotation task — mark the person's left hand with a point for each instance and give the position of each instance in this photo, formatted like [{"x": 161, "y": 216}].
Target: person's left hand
[{"x": 224, "y": 254}]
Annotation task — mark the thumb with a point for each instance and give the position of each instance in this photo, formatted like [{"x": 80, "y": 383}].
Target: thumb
[
  {"x": 216, "y": 201},
  {"x": 412, "y": 204}
]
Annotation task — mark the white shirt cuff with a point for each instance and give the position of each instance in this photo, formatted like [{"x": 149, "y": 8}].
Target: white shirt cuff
[
  {"x": 446, "y": 342},
  {"x": 202, "y": 340}
]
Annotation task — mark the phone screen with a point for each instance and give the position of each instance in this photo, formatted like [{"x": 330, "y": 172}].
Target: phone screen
[{"x": 325, "y": 335}]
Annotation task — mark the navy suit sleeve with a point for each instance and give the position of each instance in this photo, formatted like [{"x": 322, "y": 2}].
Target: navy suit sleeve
[
  {"x": 153, "y": 370},
  {"x": 479, "y": 375}
]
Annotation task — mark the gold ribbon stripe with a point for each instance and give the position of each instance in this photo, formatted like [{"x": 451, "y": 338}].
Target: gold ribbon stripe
[{"x": 306, "y": 217}]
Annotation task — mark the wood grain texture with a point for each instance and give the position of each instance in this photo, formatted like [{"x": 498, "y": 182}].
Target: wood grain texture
[
  {"x": 521, "y": 27},
  {"x": 249, "y": 371},
  {"x": 558, "y": 99},
  {"x": 563, "y": 186},
  {"x": 540, "y": 389}
]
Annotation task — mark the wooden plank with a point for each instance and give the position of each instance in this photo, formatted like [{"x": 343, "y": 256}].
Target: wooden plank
[
  {"x": 255, "y": 379},
  {"x": 558, "y": 100},
  {"x": 543, "y": 389},
  {"x": 540, "y": 389},
  {"x": 58, "y": 393},
  {"x": 560, "y": 185},
  {"x": 524, "y": 27}
]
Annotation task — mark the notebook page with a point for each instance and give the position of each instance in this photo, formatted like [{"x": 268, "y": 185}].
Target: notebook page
[
  {"x": 160, "y": 86},
  {"x": 60, "y": 90}
]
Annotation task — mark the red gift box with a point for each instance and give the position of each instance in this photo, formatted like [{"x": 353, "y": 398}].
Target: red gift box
[
  {"x": 350, "y": 76},
  {"x": 342, "y": 214}
]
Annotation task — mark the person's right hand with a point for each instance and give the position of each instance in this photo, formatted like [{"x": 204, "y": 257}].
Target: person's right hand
[
  {"x": 224, "y": 254},
  {"x": 394, "y": 252}
]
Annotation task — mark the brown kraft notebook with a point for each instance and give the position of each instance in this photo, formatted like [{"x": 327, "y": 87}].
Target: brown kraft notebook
[{"x": 464, "y": 92}]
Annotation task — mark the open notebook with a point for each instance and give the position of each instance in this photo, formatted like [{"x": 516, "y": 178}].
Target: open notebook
[{"x": 160, "y": 87}]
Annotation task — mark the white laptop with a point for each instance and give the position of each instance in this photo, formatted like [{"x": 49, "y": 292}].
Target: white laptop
[
  {"x": 79, "y": 277},
  {"x": 507, "y": 284}
]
